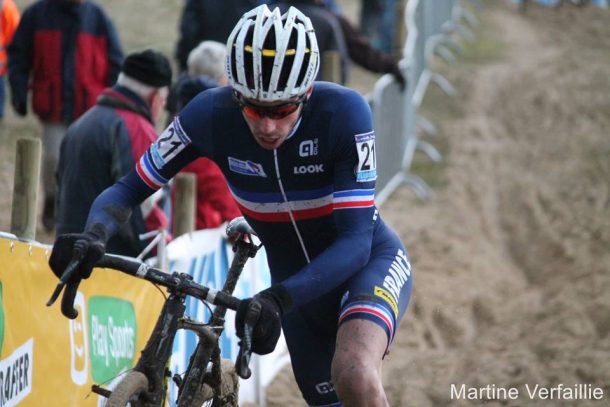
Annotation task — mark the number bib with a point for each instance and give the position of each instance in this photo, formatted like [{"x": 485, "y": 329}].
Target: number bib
[
  {"x": 366, "y": 170},
  {"x": 169, "y": 144}
]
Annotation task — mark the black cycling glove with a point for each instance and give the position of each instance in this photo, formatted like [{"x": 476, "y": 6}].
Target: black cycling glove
[
  {"x": 274, "y": 301},
  {"x": 91, "y": 245}
]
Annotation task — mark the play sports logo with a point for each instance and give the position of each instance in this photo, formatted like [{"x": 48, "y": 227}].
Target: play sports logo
[
  {"x": 105, "y": 338},
  {"x": 112, "y": 336}
]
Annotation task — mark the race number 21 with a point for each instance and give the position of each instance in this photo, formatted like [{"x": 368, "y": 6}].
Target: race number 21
[
  {"x": 367, "y": 164},
  {"x": 169, "y": 144}
]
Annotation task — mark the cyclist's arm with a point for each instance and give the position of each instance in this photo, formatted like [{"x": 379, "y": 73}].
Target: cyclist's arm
[
  {"x": 171, "y": 151},
  {"x": 354, "y": 211}
]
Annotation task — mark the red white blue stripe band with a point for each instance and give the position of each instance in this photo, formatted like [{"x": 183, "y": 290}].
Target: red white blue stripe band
[
  {"x": 372, "y": 311},
  {"x": 149, "y": 174},
  {"x": 272, "y": 207}
]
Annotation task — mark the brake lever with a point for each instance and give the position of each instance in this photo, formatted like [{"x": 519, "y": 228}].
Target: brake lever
[
  {"x": 245, "y": 349},
  {"x": 66, "y": 276}
]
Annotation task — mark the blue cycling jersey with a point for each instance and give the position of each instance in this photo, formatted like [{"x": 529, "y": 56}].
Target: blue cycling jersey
[{"x": 310, "y": 200}]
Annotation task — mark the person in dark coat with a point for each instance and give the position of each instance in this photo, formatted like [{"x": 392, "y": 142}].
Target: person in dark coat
[
  {"x": 207, "y": 20},
  {"x": 105, "y": 143},
  {"x": 67, "y": 52},
  {"x": 328, "y": 32},
  {"x": 351, "y": 43}
]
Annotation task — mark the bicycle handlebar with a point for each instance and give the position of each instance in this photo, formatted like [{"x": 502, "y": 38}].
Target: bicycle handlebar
[{"x": 178, "y": 281}]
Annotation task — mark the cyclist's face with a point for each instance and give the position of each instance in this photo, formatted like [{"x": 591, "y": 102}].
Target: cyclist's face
[{"x": 271, "y": 123}]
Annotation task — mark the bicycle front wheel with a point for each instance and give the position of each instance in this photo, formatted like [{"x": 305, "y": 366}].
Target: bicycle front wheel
[{"x": 129, "y": 390}]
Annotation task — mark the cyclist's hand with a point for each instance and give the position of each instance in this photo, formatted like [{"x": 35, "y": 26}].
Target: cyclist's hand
[
  {"x": 91, "y": 247},
  {"x": 274, "y": 301}
]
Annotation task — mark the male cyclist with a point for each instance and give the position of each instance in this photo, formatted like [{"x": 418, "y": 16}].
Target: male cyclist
[{"x": 299, "y": 158}]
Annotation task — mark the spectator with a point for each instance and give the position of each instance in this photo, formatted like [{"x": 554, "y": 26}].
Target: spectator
[
  {"x": 9, "y": 19},
  {"x": 105, "y": 142},
  {"x": 206, "y": 70},
  {"x": 208, "y": 20},
  {"x": 358, "y": 47},
  {"x": 362, "y": 52},
  {"x": 377, "y": 22},
  {"x": 328, "y": 32},
  {"x": 371, "y": 12},
  {"x": 67, "y": 51}
]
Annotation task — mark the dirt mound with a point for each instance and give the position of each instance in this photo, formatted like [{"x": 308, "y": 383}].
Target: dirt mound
[{"x": 512, "y": 255}]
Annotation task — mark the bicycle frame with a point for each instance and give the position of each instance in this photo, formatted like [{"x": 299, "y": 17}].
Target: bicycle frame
[{"x": 207, "y": 348}]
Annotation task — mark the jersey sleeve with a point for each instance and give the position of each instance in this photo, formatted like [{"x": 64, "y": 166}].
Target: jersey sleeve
[
  {"x": 354, "y": 212},
  {"x": 172, "y": 151}
]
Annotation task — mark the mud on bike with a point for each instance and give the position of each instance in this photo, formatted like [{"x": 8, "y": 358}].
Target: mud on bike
[{"x": 208, "y": 380}]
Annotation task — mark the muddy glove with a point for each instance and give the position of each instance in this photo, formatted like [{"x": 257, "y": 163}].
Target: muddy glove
[{"x": 274, "y": 301}]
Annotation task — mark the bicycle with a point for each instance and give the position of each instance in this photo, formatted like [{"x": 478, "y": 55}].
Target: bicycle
[{"x": 146, "y": 384}]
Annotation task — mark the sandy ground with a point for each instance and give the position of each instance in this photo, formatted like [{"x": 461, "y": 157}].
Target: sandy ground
[{"x": 512, "y": 254}]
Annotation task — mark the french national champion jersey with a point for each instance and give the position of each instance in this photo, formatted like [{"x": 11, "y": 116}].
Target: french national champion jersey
[{"x": 311, "y": 200}]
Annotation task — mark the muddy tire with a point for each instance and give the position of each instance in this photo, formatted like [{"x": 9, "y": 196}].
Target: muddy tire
[
  {"x": 128, "y": 391},
  {"x": 229, "y": 389}
]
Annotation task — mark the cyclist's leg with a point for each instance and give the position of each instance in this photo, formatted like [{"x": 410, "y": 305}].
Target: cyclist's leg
[
  {"x": 356, "y": 368},
  {"x": 376, "y": 300},
  {"x": 310, "y": 334}
]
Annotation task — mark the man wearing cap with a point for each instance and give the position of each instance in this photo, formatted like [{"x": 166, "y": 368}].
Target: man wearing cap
[{"x": 105, "y": 142}]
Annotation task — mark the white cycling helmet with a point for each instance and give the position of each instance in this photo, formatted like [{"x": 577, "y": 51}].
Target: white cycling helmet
[{"x": 272, "y": 57}]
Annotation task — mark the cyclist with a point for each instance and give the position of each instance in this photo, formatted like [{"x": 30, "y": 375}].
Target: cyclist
[{"x": 299, "y": 158}]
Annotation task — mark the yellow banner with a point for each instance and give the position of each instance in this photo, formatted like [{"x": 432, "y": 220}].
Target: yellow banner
[{"x": 48, "y": 360}]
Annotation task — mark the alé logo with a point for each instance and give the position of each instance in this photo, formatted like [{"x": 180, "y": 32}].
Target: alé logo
[{"x": 112, "y": 336}]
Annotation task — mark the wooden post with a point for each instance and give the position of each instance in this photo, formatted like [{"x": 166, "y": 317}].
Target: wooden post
[
  {"x": 25, "y": 189},
  {"x": 331, "y": 67},
  {"x": 184, "y": 203}
]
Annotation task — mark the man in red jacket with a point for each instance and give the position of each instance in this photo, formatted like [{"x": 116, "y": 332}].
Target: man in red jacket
[{"x": 67, "y": 52}]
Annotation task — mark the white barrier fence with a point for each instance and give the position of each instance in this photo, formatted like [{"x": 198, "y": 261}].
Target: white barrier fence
[
  {"x": 434, "y": 29},
  {"x": 431, "y": 25}
]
